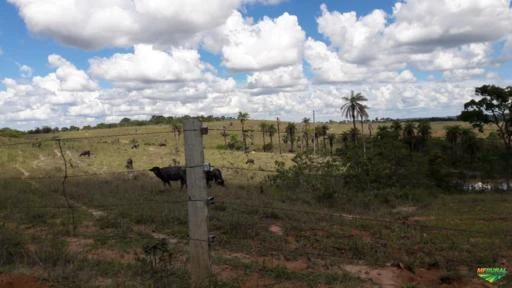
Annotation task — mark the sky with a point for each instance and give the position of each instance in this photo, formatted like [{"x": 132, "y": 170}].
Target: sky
[{"x": 82, "y": 62}]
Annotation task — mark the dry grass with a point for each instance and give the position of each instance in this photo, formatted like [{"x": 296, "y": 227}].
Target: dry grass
[{"x": 246, "y": 210}]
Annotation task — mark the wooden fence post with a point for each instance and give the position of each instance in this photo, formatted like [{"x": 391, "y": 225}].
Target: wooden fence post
[
  {"x": 197, "y": 204},
  {"x": 278, "y": 135}
]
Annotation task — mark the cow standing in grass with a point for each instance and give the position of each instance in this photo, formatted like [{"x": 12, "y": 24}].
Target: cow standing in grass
[
  {"x": 214, "y": 175},
  {"x": 85, "y": 153},
  {"x": 168, "y": 174},
  {"x": 179, "y": 173}
]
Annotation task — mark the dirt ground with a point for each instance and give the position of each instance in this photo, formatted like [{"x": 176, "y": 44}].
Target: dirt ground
[{"x": 20, "y": 281}]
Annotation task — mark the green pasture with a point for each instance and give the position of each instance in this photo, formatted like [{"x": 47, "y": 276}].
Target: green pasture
[{"x": 97, "y": 237}]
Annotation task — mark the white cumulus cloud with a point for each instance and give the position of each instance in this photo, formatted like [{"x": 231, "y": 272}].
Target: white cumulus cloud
[
  {"x": 123, "y": 23},
  {"x": 265, "y": 45},
  {"x": 147, "y": 64}
]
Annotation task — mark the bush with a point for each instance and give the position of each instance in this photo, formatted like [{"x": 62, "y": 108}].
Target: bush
[{"x": 235, "y": 144}]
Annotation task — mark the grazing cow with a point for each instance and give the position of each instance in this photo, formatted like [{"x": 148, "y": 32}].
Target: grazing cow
[
  {"x": 214, "y": 175},
  {"x": 162, "y": 144},
  {"x": 168, "y": 174},
  {"x": 129, "y": 164},
  {"x": 135, "y": 146},
  {"x": 85, "y": 153},
  {"x": 249, "y": 161}
]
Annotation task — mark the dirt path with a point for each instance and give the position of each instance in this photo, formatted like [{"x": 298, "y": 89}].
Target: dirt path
[{"x": 25, "y": 173}]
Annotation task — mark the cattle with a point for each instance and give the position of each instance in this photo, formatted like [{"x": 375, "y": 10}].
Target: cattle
[
  {"x": 249, "y": 161},
  {"x": 135, "y": 146},
  {"x": 179, "y": 173},
  {"x": 214, "y": 175},
  {"x": 129, "y": 164},
  {"x": 162, "y": 144},
  {"x": 85, "y": 153},
  {"x": 172, "y": 173}
]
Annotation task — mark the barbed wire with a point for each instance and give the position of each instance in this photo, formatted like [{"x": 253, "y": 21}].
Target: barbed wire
[
  {"x": 85, "y": 138},
  {"x": 364, "y": 218},
  {"x": 95, "y": 206}
]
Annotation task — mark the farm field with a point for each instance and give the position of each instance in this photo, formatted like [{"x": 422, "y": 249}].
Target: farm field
[{"x": 124, "y": 229}]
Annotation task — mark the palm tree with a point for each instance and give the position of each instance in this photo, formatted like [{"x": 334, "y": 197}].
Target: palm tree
[
  {"x": 224, "y": 134},
  {"x": 396, "y": 127},
  {"x": 243, "y": 116},
  {"x": 324, "y": 129},
  {"x": 306, "y": 122},
  {"x": 291, "y": 129},
  {"x": 176, "y": 129},
  {"x": 263, "y": 128},
  {"x": 424, "y": 133},
  {"x": 409, "y": 135},
  {"x": 271, "y": 130},
  {"x": 453, "y": 135},
  {"x": 331, "y": 138},
  {"x": 353, "y": 108}
]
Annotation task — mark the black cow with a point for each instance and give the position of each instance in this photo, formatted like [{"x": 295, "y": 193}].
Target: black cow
[
  {"x": 214, "y": 175},
  {"x": 249, "y": 161},
  {"x": 135, "y": 146},
  {"x": 168, "y": 174},
  {"x": 179, "y": 173},
  {"x": 129, "y": 164},
  {"x": 85, "y": 153}
]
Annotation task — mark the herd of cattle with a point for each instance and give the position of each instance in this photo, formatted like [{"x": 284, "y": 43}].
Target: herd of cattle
[{"x": 176, "y": 172}]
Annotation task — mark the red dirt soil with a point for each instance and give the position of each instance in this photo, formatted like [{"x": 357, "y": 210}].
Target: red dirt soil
[{"x": 20, "y": 281}]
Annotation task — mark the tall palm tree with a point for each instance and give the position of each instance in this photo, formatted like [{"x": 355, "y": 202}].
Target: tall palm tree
[
  {"x": 224, "y": 134},
  {"x": 396, "y": 127},
  {"x": 176, "y": 129},
  {"x": 263, "y": 128},
  {"x": 424, "y": 133},
  {"x": 331, "y": 138},
  {"x": 291, "y": 129},
  {"x": 271, "y": 130},
  {"x": 453, "y": 134},
  {"x": 409, "y": 135},
  {"x": 306, "y": 122},
  {"x": 324, "y": 129},
  {"x": 353, "y": 109},
  {"x": 243, "y": 116}
]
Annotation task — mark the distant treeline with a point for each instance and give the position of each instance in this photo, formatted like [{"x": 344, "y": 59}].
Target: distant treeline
[{"x": 160, "y": 119}]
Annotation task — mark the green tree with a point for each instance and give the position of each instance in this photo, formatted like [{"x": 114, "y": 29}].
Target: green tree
[
  {"x": 353, "y": 109},
  {"x": 291, "y": 130},
  {"x": 424, "y": 134},
  {"x": 452, "y": 135},
  {"x": 409, "y": 135},
  {"x": 263, "y": 129},
  {"x": 243, "y": 117},
  {"x": 306, "y": 122},
  {"x": 494, "y": 107},
  {"x": 331, "y": 138},
  {"x": 271, "y": 130},
  {"x": 396, "y": 128}
]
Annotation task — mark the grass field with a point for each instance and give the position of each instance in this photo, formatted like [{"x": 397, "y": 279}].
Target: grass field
[{"x": 265, "y": 237}]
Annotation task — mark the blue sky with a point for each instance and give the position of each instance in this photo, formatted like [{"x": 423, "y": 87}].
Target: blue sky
[{"x": 84, "y": 62}]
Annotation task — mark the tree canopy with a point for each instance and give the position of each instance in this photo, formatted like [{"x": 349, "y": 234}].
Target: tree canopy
[{"x": 494, "y": 107}]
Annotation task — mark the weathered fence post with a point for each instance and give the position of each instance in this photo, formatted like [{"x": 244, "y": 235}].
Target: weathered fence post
[
  {"x": 278, "y": 135},
  {"x": 197, "y": 204}
]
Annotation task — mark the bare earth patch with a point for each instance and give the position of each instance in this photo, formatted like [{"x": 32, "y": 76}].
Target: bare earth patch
[
  {"x": 20, "y": 281},
  {"x": 395, "y": 277},
  {"x": 276, "y": 229}
]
